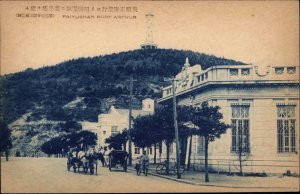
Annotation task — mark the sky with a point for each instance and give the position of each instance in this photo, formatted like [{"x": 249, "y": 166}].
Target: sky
[{"x": 257, "y": 32}]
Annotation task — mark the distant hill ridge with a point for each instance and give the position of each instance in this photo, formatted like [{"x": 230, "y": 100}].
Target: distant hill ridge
[
  {"x": 98, "y": 82},
  {"x": 52, "y": 101}
]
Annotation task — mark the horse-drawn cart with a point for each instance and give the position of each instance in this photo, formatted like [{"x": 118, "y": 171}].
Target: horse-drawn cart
[
  {"x": 116, "y": 158},
  {"x": 84, "y": 160}
]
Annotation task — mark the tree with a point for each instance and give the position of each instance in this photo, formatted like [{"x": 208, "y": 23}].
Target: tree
[
  {"x": 71, "y": 126},
  {"x": 164, "y": 123},
  {"x": 5, "y": 139},
  {"x": 243, "y": 150},
  {"x": 209, "y": 125},
  {"x": 118, "y": 140},
  {"x": 191, "y": 130},
  {"x": 185, "y": 130},
  {"x": 143, "y": 131},
  {"x": 55, "y": 145},
  {"x": 153, "y": 129}
]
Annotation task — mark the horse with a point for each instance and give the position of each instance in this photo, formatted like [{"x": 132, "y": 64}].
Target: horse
[
  {"x": 82, "y": 158},
  {"x": 93, "y": 155},
  {"x": 72, "y": 160},
  {"x": 84, "y": 161},
  {"x": 87, "y": 159}
]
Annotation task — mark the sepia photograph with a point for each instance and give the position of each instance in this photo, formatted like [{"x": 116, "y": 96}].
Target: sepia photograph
[{"x": 150, "y": 96}]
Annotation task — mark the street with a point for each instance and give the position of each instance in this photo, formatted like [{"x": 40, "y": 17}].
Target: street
[{"x": 50, "y": 175}]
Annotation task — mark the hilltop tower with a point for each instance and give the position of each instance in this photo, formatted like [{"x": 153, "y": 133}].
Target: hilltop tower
[{"x": 149, "y": 43}]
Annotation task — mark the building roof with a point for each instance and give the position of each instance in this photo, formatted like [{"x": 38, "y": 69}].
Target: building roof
[
  {"x": 135, "y": 112},
  {"x": 89, "y": 125},
  {"x": 188, "y": 81}
]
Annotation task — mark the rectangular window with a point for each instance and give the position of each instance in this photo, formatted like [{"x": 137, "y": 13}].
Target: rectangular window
[
  {"x": 206, "y": 75},
  {"x": 279, "y": 70},
  {"x": 171, "y": 149},
  {"x": 233, "y": 72},
  {"x": 200, "y": 144},
  {"x": 286, "y": 121},
  {"x": 136, "y": 150},
  {"x": 245, "y": 72},
  {"x": 114, "y": 130},
  {"x": 291, "y": 70},
  {"x": 198, "y": 78},
  {"x": 169, "y": 91},
  {"x": 150, "y": 151},
  {"x": 240, "y": 129}
]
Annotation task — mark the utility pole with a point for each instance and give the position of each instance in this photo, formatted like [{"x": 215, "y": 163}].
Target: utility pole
[
  {"x": 129, "y": 119},
  {"x": 176, "y": 130}
]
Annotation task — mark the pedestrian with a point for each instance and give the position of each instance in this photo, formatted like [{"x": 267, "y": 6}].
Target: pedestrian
[
  {"x": 7, "y": 153},
  {"x": 62, "y": 152},
  {"x": 106, "y": 154},
  {"x": 145, "y": 162},
  {"x": 101, "y": 156},
  {"x": 18, "y": 154}
]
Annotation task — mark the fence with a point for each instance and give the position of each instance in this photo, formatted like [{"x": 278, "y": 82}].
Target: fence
[{"x": 249, "y": 166}]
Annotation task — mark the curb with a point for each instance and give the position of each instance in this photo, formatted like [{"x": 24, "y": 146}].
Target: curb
[{"x": 211, "y": 185}]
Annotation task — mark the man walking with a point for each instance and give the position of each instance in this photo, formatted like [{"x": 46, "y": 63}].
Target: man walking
[{"x": 7, "y": 153}]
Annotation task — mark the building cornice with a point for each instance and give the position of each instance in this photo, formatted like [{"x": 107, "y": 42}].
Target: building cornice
[{"x": 244, "y": 83}]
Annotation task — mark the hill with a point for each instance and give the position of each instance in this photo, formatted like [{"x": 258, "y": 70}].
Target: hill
[{"x": 53, "y": 100}]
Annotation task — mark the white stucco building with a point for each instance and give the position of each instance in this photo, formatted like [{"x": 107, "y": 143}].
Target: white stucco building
[
  {"x": 116, "y": 120},
  {"x": 91, "y": 126},
  {"x": 262, "y": 103}
]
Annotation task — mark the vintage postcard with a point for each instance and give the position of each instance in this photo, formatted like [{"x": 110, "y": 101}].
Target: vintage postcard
[{"x": 149, "y": 96}]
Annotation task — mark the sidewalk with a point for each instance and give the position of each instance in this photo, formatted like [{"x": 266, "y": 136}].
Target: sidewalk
[{"x": 232, "y": 181}]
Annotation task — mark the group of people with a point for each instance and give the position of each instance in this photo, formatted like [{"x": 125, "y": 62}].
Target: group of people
[
  {"x": 103, "y": 153},
  {"x": 142, "y": 163}
]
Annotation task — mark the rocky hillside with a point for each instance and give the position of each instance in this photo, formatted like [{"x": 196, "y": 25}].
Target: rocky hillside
[{"x": 51, "y": 101}]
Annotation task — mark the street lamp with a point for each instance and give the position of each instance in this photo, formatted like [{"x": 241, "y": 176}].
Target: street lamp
[
  {"x": 129, "y": 122},
  {"x": 176, "y": 129}
]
